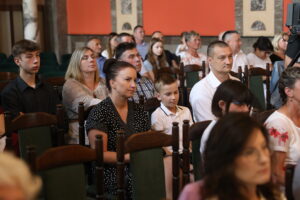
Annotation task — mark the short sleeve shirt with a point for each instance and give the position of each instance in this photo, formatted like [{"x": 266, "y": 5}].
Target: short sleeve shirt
[
  {"x": 105, "y": 117},
  {"x": 18, "y": 97},
  {"x": 188, "y": 59},
  {"x": 258, "y": 62},
  {"x": 162, "y": 119},
  {"x": 284, "y": 136}
]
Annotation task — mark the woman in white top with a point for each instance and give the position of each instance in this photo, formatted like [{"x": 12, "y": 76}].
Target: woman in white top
[
  {"x": 111, "y": 46},
  {"x": 230, "y": 96},
  {"x": 191, "y": 55},
  {"x": 156, "y": 59},
  {"x": 284, "y": 125},
  {"x": 261, "y": 55},
  {"x": 82, "y": 85}
]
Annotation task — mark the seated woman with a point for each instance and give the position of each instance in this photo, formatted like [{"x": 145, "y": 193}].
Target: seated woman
[
  {"x": 82, "y": 85},
  {"x": 111, "y": 46},
  {"x": 283, "y": 125},
  {"x": 261, "y": 55},
  {"x": 191, "y": 55},
  {"x": 156, "y": 59},
  {"x": 237, "y": 163},
  {"x": 116, "y": 113},
  {"x": 279, "y": 42},
  {"x": 230, "y": 96}
]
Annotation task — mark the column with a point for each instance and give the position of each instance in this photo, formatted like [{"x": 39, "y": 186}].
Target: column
[{"x": 30, "y": 15}]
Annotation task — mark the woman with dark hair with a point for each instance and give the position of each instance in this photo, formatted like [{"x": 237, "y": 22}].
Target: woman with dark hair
[
  {"x": 237, "y": 163},
  {"x": 115, "y": 113},
  {"x": 284, "y": 123},
  {"x": 230, "y": 96},
  {"x": 156, "y": 59},
  {"x": 111, "y": 46},
  {"x": 261, "y": 55}
]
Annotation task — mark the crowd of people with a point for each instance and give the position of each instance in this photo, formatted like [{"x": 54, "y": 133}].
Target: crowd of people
[{"x": 242, "y": 158}]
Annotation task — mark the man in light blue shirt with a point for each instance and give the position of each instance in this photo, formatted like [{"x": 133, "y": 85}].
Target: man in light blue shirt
[
  {"x": 95, "y": 45},
  {"x": 141, "y": 45}
]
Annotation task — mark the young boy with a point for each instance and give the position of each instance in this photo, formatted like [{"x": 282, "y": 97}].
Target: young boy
[
  {"x": 27, "y": 93},
  {"x": 163, "y": 117}
]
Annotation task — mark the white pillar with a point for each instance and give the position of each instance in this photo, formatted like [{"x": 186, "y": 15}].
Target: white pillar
[{"x": 30, "y": 15}]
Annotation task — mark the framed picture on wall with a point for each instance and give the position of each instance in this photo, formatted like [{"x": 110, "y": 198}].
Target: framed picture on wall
[{"x": 258, "y": 17}]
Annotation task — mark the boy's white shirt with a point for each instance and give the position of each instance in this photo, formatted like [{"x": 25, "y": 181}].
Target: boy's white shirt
[{"x": 162, "y": 119}]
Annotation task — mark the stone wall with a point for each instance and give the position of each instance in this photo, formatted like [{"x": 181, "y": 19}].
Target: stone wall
[{"x": 63, "y": 43}]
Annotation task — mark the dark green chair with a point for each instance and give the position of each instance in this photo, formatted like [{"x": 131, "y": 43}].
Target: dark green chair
[
  {"x": 49, "y": 64},
  {"x": 10, "y": 59},
  {"x": 254, "y": 81},
  {"x": 3, "y": 58},
  {"x": 50, "y": 71},
  {"x": 9, "y": 67},
  {"x": 146, "y": 163},
  {"x": 48, "y": 58},
  {"x": 65, "y": 60},
  {"x": 40, "y": 129},
  {"x": 63, "y": 170},
  {"x": 195, "y": 135},
  {"x": 189, "y": 76}
]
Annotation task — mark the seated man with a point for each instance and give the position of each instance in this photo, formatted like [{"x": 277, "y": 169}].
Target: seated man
[
  {"x": 233, "y": 39},
  {"x": 125, "y": 37},
  {"x": 27, "y": 93},
  {"x": 127, "y": 52},
  {"x": 139, "y": 37},
  {"x": 95, "y": 45},
  {"x": 220, "y": 62}
]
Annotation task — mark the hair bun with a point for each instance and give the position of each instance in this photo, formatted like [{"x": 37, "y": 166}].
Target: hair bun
[{"x": 107, "y": 65}]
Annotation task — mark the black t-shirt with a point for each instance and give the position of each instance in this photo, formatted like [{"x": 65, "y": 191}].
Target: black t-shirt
[
  {"x": 275, "y": 58},
  {"x": 18, "y": 97}
]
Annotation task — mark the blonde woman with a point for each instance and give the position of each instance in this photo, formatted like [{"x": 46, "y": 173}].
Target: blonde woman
[
  {"x": 279, "y": 42},
  {"x": 82, "y": 85},
  {"x": 16, "y": 180}
]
